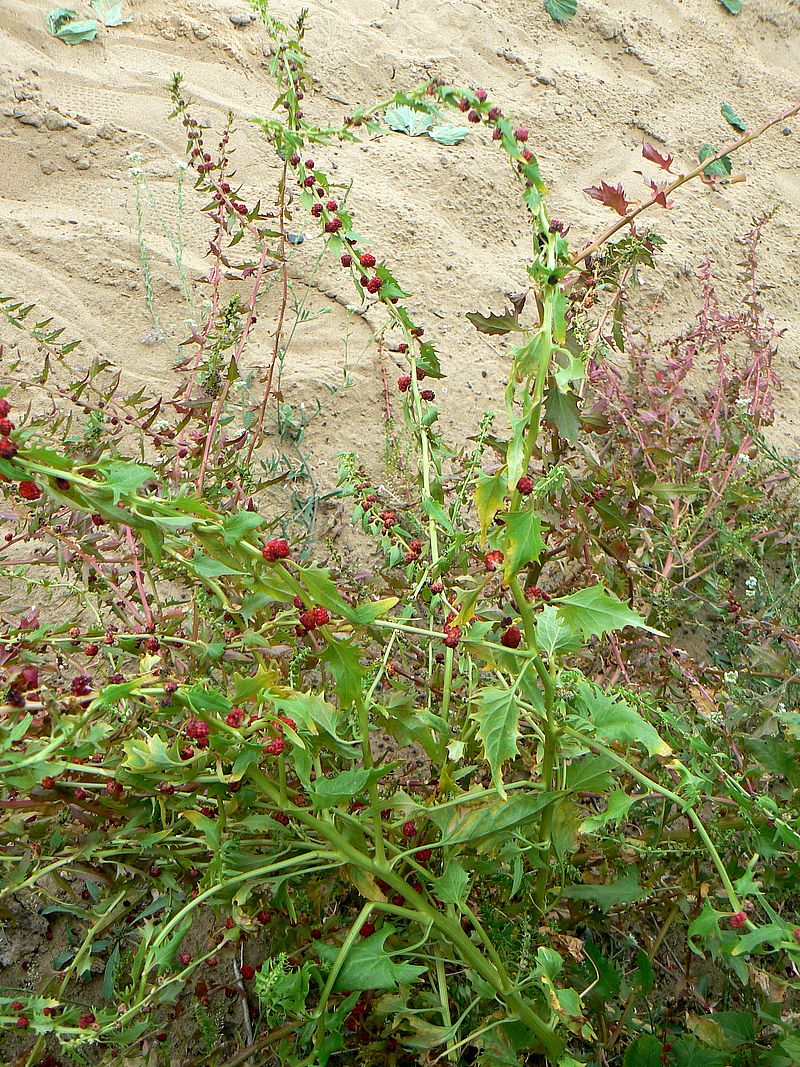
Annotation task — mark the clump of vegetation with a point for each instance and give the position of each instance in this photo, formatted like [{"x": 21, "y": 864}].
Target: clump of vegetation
[{"x": 488, "y": 805}]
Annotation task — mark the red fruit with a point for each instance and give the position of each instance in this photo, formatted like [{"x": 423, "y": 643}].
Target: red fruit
[
  {"x": 427, "y": 394},
  {"x": 404, "y": 383},
  {"x": 533, "y": 592},
  {"x": 308, "y": 620},
  {"x": 437, "y": 586},
  {"x": 114, "y": 789},
  {"x": 85, "y": 1021},
  {"x": 796, "y": 935},
  {"x": 374, "y": 284},
  {"x": 409, "y": 828},
  {"x": 321, "y": 616},
  {"x": 527, "y": 155},
  {"x": 151, "y": 644},
  {"x": 496, "y": 134},
  {"x": 235, "y": 717},
  {"x": 332, "y": 225},
  {"x": 274, "y": 747},
  {"x": 494, "y": 113},
  {"x": 294, "y": 159},
  {"x": 281, "y": 817},
  {"x": 493, "y": 559},
  {"x": 309, "y": 181},
  {"x": 452, "y": 635},
  {"x": 29, "y": 677},
  {"x": 167, "y": 789},
  {"x": 398, "y": 899},
  {"x": 247, "y": 972},
  {"x": 81, "y": 794},
  {"x": 367, "y": 260},
  {"x": 16, "y": 1005},
  {"x": 525, "y": 485},
  {"x": 185, "y": 958},
  {"x": 23, "y": 1023},
  {"x": 309, "y": 164},
  {"x": 196, "y": 729},
  {"x": 463, "y": 104},
  {"x": 332, "y": 205},
  {"x": 29, "y": 491},
  {"x": 5, "y": 407},
  {"x": 277, "y": 548},
  {"x": 521, "y": 133},
  {"x": 511, "y": 637},
  {"x": 81, "y": 685},
  {"x": 91, "y": 650},
  {"x": 49, "y": 782},
  {"x": 6, "y": 426},
  {"x": 738, "y": 919},
  {"x": 346, "y": 260},
  {"x": 423, "y": 855},
  {"x": 316, "y": 210},
  {"x": 367, "y": 929},
  {"x": 474, "y": 116}
]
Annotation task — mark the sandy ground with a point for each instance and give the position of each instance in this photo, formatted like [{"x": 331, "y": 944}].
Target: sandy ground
[{"x": 592, "y": 91}]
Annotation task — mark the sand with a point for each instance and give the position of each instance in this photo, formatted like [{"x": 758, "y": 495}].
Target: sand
[{"x": 592, "y": 91}]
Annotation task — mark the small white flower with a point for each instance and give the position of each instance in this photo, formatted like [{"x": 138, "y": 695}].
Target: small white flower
[{"x": 730, "y": 677}]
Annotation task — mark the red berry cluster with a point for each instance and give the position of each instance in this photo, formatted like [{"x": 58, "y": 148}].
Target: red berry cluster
[
  {"x": 275, "y": 549},
  {"x": 494, "y": 559}
]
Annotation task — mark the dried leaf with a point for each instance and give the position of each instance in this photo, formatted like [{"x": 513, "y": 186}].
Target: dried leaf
[
  {"x": 612, "y": 196},
  {"x": 651, "y": 153}
]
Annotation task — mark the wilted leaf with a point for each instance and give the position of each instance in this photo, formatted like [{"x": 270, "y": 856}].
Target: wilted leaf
[
  {"x": 612, "y": 196},
  {"x": 407, "y": 120},
  {"x": 448, "y": 135},
  {"x": 110, "y": 12},
  {"x": 651, "y": 153},
  {"x": 490, "y": 492},
  {"x": 561, "y": 411},
  {"x": 614, "y": 720},
  {"x": 65, "y": 24}
]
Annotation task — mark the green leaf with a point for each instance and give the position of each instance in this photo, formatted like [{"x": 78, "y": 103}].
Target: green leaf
[
  {"x": 470, "y": 822},
  {"x": 343, "y": 661},
  {"x": 490, "y": 493},
  {"x": 619, "y": 804},
  {"x": 724, "y": 1030},
  {"x": 522, "y": 541},
  {"x": 451, "y": 887},
  {"x": 561, "y": 411},
  {"x": 613, "y": 719},
  {"x": 720, "y": 168},
  {"x": 371, "y": 610},
  {"x": 207, "y": 567},
  {"x": 407, "y": 120},
  {"x": 687, "y": 1052},
  {"x": 644, "y": 1051},
  {"x": 560, "y": 10},
  {"x": 368, "y": 965},
  {"x": 772, "y": 932},
  {"x": 235, "y": 527},
  {"x": 606, "y": 977},
  {"x": 343, "y": 787},
  {"x": 553, "y": 635},
  {"x": 448, "y": 135},
  {"x": 734, "y": 6},
  {"x": 498, "y": 729},
  {"x": 625, "y": 890},
  {"x": 65, "y": 24},
  {"x": 495, "y": 324},
  {"x": 707, "y": 922},
  {"x": 730, "y": 116},
  {"x": 124, "y": 477},
  {"x": 594, "y": 612},
  {"x": 643, "y": 976}
]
